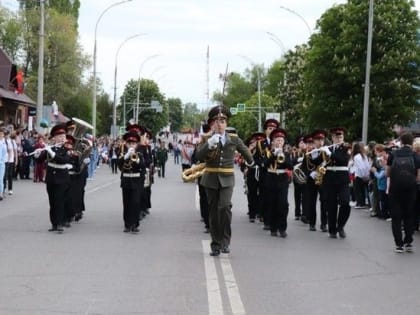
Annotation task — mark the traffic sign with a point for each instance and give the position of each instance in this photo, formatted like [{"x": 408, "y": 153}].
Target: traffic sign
[
  {"x": 233, "y": 110},
  {"x": 241, "y": 108}
]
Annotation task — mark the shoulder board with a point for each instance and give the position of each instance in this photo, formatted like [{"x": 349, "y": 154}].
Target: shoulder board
[{"x": 232, "y": 134}]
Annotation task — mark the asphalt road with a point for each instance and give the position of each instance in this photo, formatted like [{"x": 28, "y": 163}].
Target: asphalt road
[{"x": 95, "y": 268}]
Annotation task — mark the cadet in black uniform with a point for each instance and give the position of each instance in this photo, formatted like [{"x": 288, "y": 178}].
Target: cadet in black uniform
[
  {"x": 252, "y": 176},
  {"x": 278, "y": 164},
  {"x": 57, "y": 178},
  {"x": 262, "y": 147},
  {"x": 336, "y": 183},
  {"x": 132, "y": 167}
]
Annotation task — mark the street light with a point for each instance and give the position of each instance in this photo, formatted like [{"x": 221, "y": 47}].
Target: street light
[
  {"x": 94, "y": 63},
  {"x": 136, "y": 112},
  {"x": 40, "y": 96},
  {"x": 277, "y": 40},
  {"x": 114, "y": 107},
  {"x": 299, "y": 16},
  {"x": 367, "y": 78},
  {"x": 259, "y": 89}
]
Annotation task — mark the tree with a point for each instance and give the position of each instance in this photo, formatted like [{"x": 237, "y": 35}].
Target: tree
[
  {"x": 175, "y": 114},
  {"x": 192, "y": 116},
  {"x": 11, "y": 39},
  {"x": 292, "y": 92},
  {"x": 335, "y": 67},
  {"x": 149, "y": 91}
]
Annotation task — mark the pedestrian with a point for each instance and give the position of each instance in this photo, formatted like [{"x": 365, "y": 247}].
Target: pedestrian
[
  {"x": 162, "y": 158},
  {"x": 361, "y": 167},
  {"x": 403, "y": 169},
  {"x": 39, "y": 165},
  {"x": 219, "y": 151},
  {"x": 3, "y": 160}
]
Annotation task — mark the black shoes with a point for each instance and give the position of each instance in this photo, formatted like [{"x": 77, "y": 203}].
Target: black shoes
[
  {"x": 266, "y": 227},
  {"x": 333, "y": 235},
  {"x": 215, "y": 252},
  {"x": 283, "y": 234},
  {"x": 127, "y": 229},
  {"x": 60, "y": 229},
  {"x": 312, "y": 228},
  {"x": 226, "y": 250},
  {"x": 252, "y": 220},
  {"x": 135, "y": 229},
  {"x": 323, "y": 228},
  {"x": 53, "y": 228},
  {"x": 274, "y": 234},
  {"x": 341, "y": 233}
]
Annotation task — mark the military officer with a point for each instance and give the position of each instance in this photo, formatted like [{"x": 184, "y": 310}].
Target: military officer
[{"x": 218, "y": 179}]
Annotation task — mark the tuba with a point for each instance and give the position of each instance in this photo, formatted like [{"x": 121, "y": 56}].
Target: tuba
[
  {"x": 82, "y": 146},
  {"x": 299, "y": 176},
  {"x": 194, "y": 172}
]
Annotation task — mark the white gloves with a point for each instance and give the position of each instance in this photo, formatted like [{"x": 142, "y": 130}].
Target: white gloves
[
  {"x": 326, "y": 150},
  {"x": 213, "y": 141},
  {"x": 314, "y": 155},
  {"x": 86, "y": 160},
  {"x": 300, "y": 160},
  {"x": 278, "y": 151},
  {"x": 50, "y": 151},
  {"x": 313, "y": 174},
  {"x": 129, "y": 153}
]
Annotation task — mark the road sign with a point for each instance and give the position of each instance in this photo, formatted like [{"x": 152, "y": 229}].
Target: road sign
[
  {"x": 233, "y": 110},
  {"x": 241, "y": 108},
  {"x": 276, "y": 116},
  {"x": 154, "y": 104}
]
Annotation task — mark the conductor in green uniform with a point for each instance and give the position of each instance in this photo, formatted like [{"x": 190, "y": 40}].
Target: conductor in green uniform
[{"x": 218, "y": 151}]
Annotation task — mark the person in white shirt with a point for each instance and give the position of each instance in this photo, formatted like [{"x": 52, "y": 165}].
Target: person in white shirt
[
  {"x": 361, "y": 167},
  {"x": 10, "y": 164},
  {"x": 3, "y": 159}
]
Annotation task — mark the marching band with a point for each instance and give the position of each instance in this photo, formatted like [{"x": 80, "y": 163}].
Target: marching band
[{"x": 320, "y": 173}]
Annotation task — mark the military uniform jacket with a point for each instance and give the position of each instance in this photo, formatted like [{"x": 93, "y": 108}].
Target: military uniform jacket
[
  {"x": 57, "y": 167},
  {"x": 132, "y": 173},
  {"x": 277, "y": 173},
  {"x": 310, "y": 163},
  {"x": 339, "y": 159},
  {"x": 219, "y": 161}
]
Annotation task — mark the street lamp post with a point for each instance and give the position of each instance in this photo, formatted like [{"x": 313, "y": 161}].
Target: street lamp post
[
  {"x": 259, "y": 89},
  {"x": 277, "y": 40},
  {"x": 136, "y": 111},
  {"x": 299, "y": 16},
  {"x": 114, "y": 107},
  {"x": 40, "y": 96},
  {"x": 367, "y": 78},
  {"x": 94, "y": 63}
]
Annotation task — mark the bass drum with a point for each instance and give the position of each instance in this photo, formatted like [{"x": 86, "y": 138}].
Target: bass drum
[{"x": 299, "y": 176}]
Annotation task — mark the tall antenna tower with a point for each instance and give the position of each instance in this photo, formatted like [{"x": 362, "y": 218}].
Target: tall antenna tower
[{"x": 207, "y": 76}]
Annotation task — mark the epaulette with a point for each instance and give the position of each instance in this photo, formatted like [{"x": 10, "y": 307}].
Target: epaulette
[{"x": 232, "y": 135}]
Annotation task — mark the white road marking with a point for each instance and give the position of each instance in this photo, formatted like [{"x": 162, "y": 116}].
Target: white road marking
[
  {"x": 231, "y": 287},
  {"x": 100, "y": 187},
  {"x": 213, "y": 289},
  {"x": 197, "y": 198}
]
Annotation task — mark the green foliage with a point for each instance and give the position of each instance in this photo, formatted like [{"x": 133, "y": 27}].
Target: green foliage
[
  {"x": 175, "y": 113},
  {"x": 11, "y": 40},
  {"x": 335, "y": 71},
  {"x": 149, "y": 91}
]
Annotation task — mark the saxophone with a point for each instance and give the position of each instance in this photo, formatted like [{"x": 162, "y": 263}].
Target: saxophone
[{"x": 321, "y": 170}]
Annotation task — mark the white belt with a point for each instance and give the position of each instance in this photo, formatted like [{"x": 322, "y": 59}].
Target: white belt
[
  {"x": 279, "y": 171},
  {"x": 131, "y": 174},
  {"x": 337, "y": 168},
  {"x": 60, "y": 166}
]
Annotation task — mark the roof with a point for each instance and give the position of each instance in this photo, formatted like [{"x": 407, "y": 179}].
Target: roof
[{"x": 22, "y": 98}]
